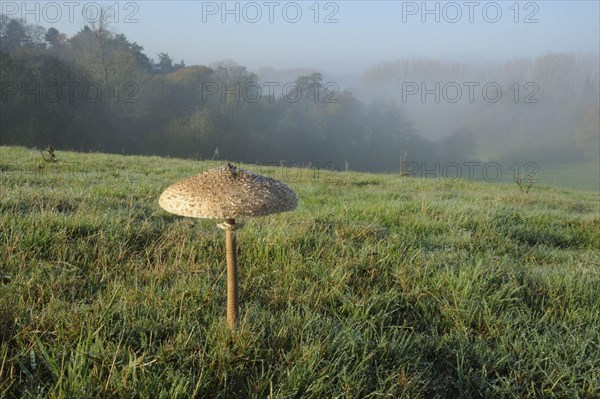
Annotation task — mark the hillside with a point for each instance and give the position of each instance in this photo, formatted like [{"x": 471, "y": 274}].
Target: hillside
[{"x": 376, "y": 286}]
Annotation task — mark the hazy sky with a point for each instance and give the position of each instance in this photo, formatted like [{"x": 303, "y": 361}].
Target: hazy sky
[{"x": 359, "y": 33}]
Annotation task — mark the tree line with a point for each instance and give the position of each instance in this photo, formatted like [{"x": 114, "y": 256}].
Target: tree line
[{"x": 98, "y": 91}]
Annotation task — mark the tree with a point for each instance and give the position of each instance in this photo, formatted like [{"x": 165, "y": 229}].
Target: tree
[
  {"x": 101, "y": 31},
  {"x": 311, "y": 82},
  {"x": 14, "y": 35},
  {"x": 179, "y": 66},
  {"x": 133, "y": 49},
  {"x": 52, "y": 36},
  {"x": 165, "y": 63},
  {"x": 35, "y": 36}
]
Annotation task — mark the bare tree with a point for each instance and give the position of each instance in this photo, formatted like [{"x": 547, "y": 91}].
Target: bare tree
[{"x": 100, "y": 28}]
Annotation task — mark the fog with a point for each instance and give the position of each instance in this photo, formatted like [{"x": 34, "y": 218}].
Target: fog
[
  {"x": 519, "y": 107},
  {"x": 434, "y": 81}
]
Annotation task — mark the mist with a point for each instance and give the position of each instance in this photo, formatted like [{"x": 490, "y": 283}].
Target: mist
[
  {"x": 522, "y": 88},
  {"x": 518, "y": 108}
]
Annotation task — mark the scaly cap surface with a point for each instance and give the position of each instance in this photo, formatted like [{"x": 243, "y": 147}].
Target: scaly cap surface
[{"x": 227, "y": 192}]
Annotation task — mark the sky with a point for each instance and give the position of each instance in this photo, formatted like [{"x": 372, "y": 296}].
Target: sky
[{"x": 341, "y": 37}]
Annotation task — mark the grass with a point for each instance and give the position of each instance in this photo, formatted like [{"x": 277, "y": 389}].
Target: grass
[
  {"x": 376, "y": 286},
  {"x": 584, "y": 176}
]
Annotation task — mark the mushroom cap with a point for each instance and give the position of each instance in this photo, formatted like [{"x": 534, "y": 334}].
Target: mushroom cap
[{"x": 227, "y": 192}]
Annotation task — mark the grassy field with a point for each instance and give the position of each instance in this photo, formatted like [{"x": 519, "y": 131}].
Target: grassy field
[
  {"x": 585, "y": 176},
  {"x": 376, "y": 286}
]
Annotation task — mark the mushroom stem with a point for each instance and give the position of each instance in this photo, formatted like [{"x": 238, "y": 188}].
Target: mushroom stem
[{"x": 233, "y": 305}]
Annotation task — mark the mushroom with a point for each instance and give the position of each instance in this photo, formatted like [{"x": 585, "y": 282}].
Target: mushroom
[{"x": 228, "y": 193}]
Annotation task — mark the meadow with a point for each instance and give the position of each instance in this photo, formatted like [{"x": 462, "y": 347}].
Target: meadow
[{"x": 376, "y": 286}]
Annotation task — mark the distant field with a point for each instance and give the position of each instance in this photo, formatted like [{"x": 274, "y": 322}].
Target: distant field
[
  {"x": 376, "y": 286},
  {"x": 584, "y": 176}
]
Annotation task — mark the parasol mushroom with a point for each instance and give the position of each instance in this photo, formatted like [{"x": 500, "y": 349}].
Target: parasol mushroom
[{"x": 228, "y": 193}]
